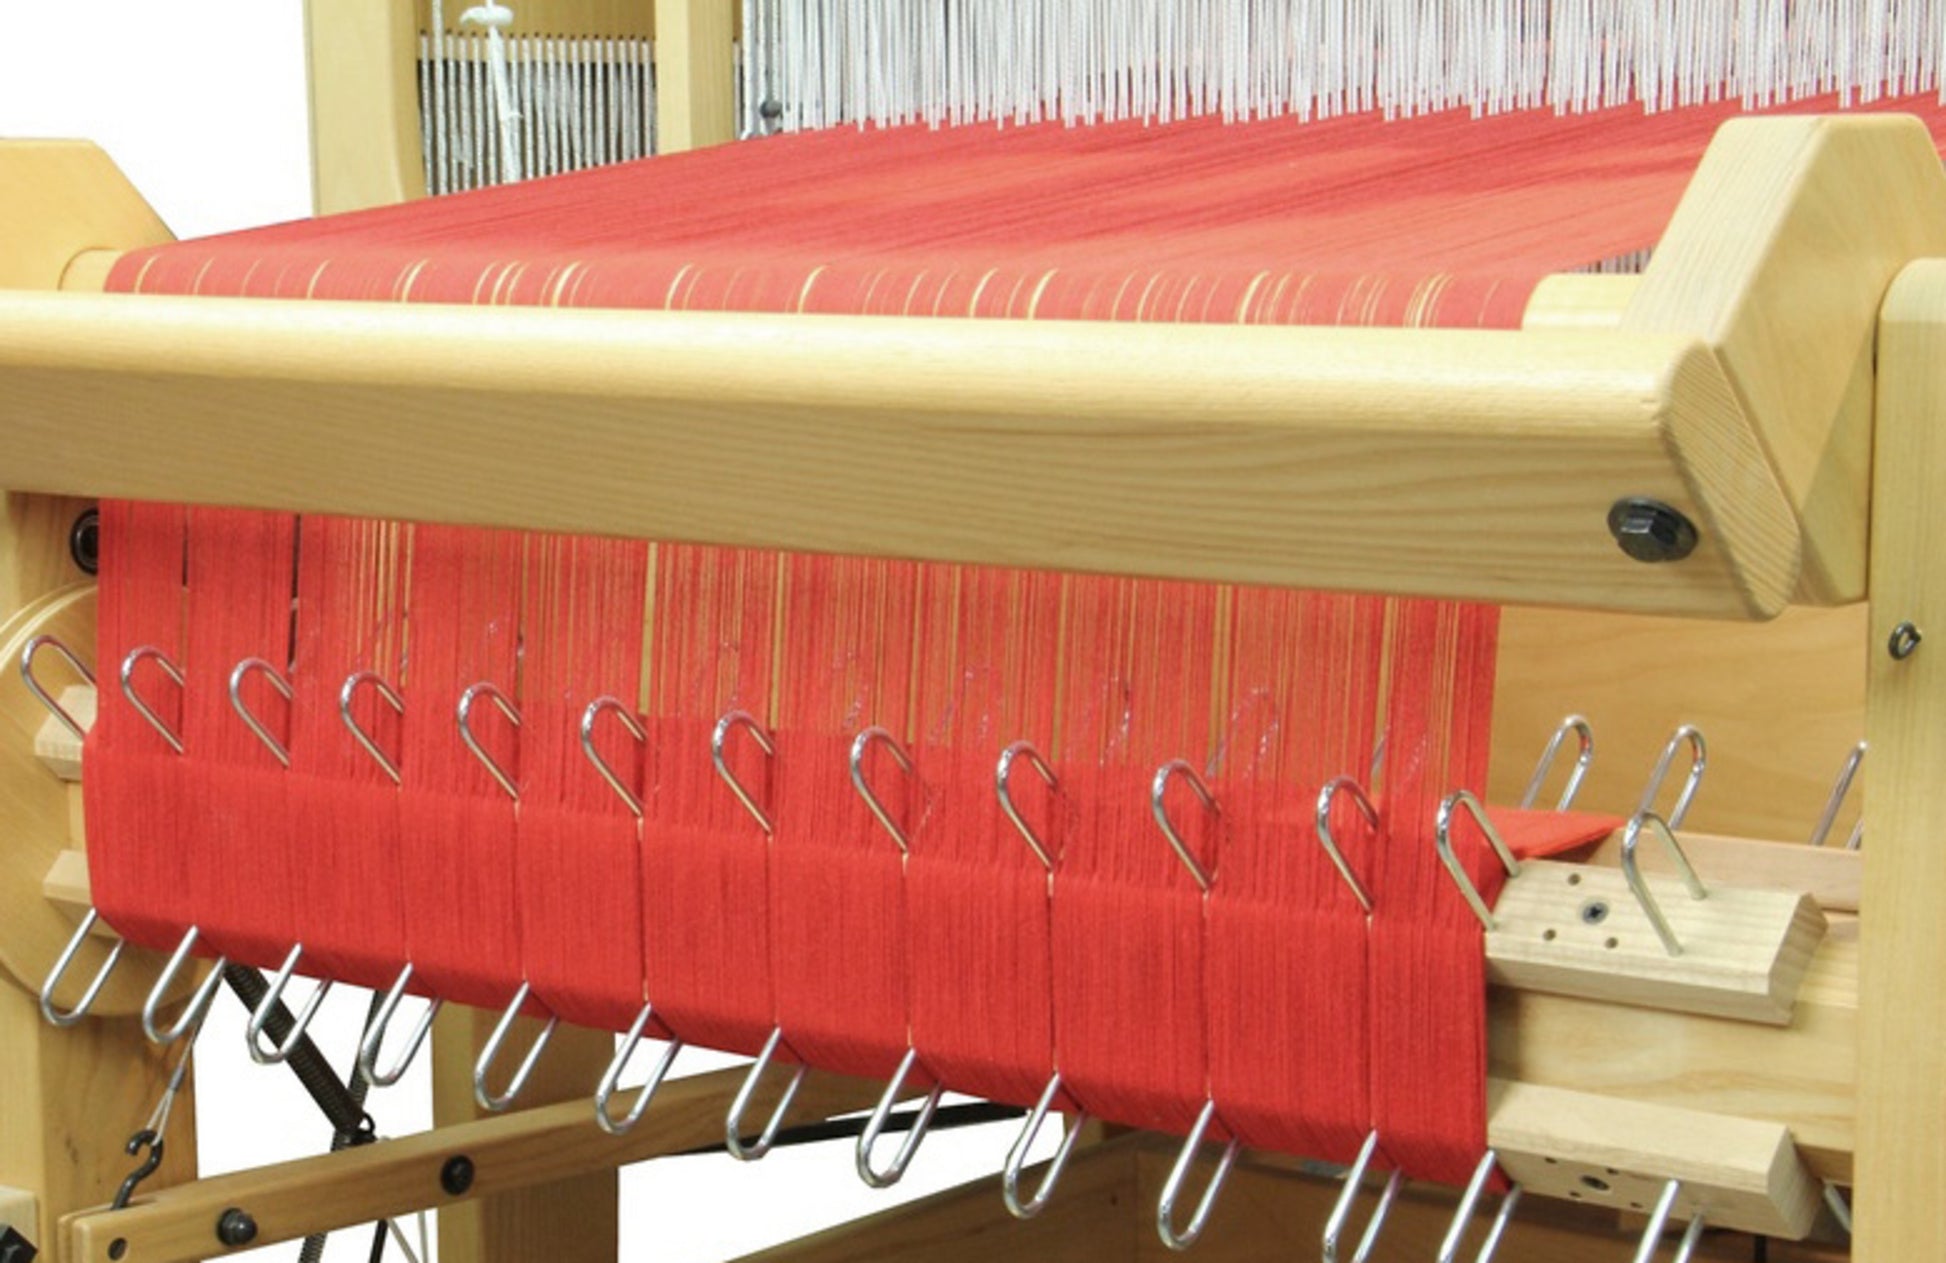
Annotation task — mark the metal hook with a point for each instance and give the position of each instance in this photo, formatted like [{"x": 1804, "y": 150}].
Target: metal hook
[
  {"x": 349, "y": 694},
  {"x": 64, "y": 961},
  {"x": 733, "y": 1121},
  {"x": 491, "y": 692},
  {"x": 611, "y": 1078},
  {"x": 1326, "y": 797},
  {"x": 261, "y": 1014},
  {"x": 1159, "y": 808},
  {"x": 1165, "y": 1207},
  {"x": 1585, "y": 734},
  {"x": 1017, "y": 1156},
  {"x": 875, "y": 1127},
  {"x": 1840, "y": 790},
  {"x": 169, "y": 669},
  {"x": 1449, "y": 1247},
  {"x": 859, "y": 747},
  {"x": 165, "y": 981},
  {"x": 1650, "y": 908},
  {"x": 1334, "y": 1226},
  {"x": 156, "y": 1129},
  {"x": 1443, "y": 840},
  {"x": 60, "y": 712},
  {"x": 1003, "y": 788},
  {"x": 277, "y": 682},
  {"x": 595, "y": 709},
  {"x": 1659, "y": 1220},
  {"x": 490, "y": 1052},
  {"x": 718, "y": 739},
  {"x": 1698, "y": 764},
  {"x": 368, "y": 1047}
]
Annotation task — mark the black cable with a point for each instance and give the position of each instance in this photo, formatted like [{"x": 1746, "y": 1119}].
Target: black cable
[
  {"x": 946, "y": 1118},
  {"x": 340, "y": 1107}
]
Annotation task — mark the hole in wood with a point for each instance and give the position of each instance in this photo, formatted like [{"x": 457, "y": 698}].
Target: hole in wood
[
  {"x": 1594, "y": 1183},
  {"x": 1612, "y": 944}
]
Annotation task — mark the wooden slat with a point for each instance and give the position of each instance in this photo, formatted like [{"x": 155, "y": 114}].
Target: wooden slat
[
  {"x": 1580, "y": 300},
  {"x": 1829, "y": 874},
  {"x": 1779, "y": 256},
  {"x": 572, "y": 1220},
  {"x": 581, "y": 19},
  {"x": 363, "y": 58},
  {"x": 509, "y": 1152},
  {"x": 1461, "y": 463},
  {"x": 1902, "y": 1007}
]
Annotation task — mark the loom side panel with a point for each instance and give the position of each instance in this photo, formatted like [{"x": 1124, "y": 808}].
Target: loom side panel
[
  {"x": 695, "y": 99},
  {"x": 1779, "y": 257},
  {"x": 1901, "y": 1160},
  {"x": 363, "y": 57},
  {"x": 60, "y": 199}
]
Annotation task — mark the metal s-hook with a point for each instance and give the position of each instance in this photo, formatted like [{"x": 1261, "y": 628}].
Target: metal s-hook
[
  {"x": 1159, "y": 809},
  {"x": 192, "y": 1015},
  {"x": 507, "y": 709},
  {"x": 348, "y": 694},
  {"x": 1583, "y": 760},
  {"x": 490, "y": 1052},
  {"x": 596, "y": 708},
  {"x": 170, "y": 670},
  {"x": 859, "y": 748},
  {"x": 65, "y": 961},
  {"x": 1327, "y": 797},
  {"x": 261, "y": 1014},
  {"x": 243, "y": 671},
  {"x": 882, "y": 1114},
  {"x": 1461, "y": 799},
  {"x": 1698, "y": 765},
  {"x": 1165, "y": 1206},
  {"x": 374, "y": 1038},
  {"x": 153, "y": 1133},
  {"x": 1334, "y": 1226},
  {"x": 1003, "y": 774},
  {"x": 1455, "y": 1238},
  {"x": 718, "y": 753},
  {"x": 1017, "y": 1156},
  {"x": 611, "y": 1078},
  {"x": 1632, "y": 872},
  {"x": 27, "y": 655},
  {"x": 740, "y": 1104}
]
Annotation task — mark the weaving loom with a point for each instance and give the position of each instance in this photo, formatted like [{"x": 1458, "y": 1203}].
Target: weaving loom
[{"x": 1069, "y": 667}]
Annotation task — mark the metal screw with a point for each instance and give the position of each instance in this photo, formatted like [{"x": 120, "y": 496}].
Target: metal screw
[
  {"x": 84, "y": 541},
  {"x": 457, "y": 1175},
  {"x": 1905, "y": 640},
  {"x": 235, "y": 1227},
  {"x": 1650, "y": 531},
  {"x": 1594, "y": 912}
]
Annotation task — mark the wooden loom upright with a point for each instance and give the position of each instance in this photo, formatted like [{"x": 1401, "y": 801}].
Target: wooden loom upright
[{"x": 1771, "y": 375}]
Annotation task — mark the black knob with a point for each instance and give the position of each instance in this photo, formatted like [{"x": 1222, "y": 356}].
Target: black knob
[
  {"x": 1651, "y": 531},
  {"x": 457, "y": 1175},
  {"x": 235, "y": 1227},
  {"x": 84, "y": 541}
]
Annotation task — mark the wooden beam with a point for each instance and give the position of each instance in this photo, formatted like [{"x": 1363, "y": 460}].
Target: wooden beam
[
  {"x": 1457, "y": 463},
  {"x": 1902, "y": 1007},
  {"x": 1779, "y": 256},
  {"x": 506, "y": 1153},
  {"x": 363, "y": 57}
]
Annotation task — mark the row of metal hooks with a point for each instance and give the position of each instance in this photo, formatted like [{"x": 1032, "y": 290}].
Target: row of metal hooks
[{"x": 742, "y": 1144}]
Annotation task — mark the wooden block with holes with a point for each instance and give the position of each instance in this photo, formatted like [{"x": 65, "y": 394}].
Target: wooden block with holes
[{"x": 1577, "y": 929}]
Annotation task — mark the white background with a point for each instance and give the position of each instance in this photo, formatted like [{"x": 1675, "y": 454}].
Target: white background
[{"x": 203, "y": 105}]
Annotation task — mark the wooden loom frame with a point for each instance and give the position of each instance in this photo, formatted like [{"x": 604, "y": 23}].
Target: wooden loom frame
[{"x": 162, "y": 398}]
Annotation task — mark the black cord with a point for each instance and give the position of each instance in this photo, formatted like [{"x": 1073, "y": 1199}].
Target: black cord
[{"x": 946, "y": 1118}]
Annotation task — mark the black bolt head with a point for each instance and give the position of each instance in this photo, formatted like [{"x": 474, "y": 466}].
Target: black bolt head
[
  {"x": 15, "y": 1248},
  {"x": 235, "y": 1227},
  {"x": 84, "y": 541},
  {"x": 457, "y": 1175},
  {"x": 1650, "y": 531}
]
